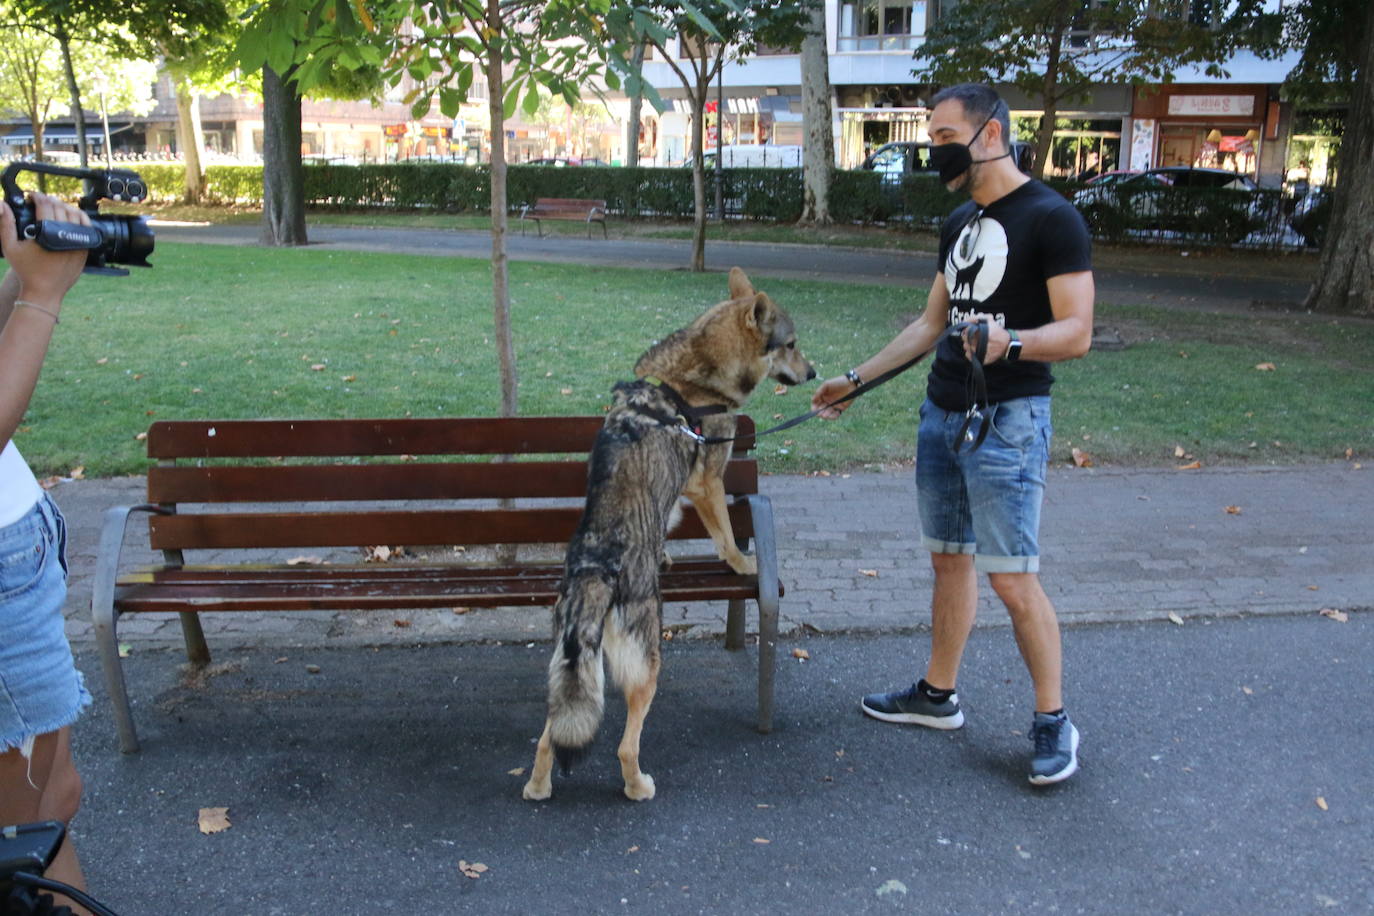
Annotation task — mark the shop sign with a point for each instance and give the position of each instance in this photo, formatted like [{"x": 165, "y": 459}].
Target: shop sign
[
  {"x": 1224, "y": 106},
  {"x": 394, "y": 130}
]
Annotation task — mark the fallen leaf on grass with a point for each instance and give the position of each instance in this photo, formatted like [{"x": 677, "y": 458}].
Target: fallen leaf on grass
[
  {"x": 1082, "y": 459},
  {"x": 871, "y": 573},
  {"x": 1195, "y": 466},
  {"x": 801, "y": 653},
  {"x": 1338, "y": 616},
  {"x": 780, "y": 389},
  {"x": 317, "y": 367},
  {"x": 1179, "y": 452},
  {"x": 141, "y": 436},
  {"x": 1266, "y": 367},
  {"x": 1321, "y": 803},
  {"x": 473, "y": 870},
  {"x": 565, "y": 391},
  {"x": 214, "y": 820},
  {"x": 1174, "y": 618},
  {"x": 78, "y": 472}
]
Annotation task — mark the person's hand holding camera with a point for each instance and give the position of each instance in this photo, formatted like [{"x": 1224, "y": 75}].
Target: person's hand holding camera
[{"x": 43, "y": 277}]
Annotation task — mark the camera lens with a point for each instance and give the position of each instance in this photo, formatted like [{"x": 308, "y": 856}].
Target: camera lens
[
  {"x": 136, "y": 190},
  {"x": 114, "y": 187}
]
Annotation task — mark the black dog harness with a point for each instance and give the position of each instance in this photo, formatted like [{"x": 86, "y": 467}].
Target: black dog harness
[{"x": 975, "y": 387}]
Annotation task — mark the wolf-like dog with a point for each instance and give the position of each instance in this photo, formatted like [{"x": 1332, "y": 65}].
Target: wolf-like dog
[{"x": 643, "y": 460}]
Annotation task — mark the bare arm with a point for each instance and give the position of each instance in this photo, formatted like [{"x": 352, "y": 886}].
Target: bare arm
[
  {"x": 918, "y": 337},
  {"x": 1067, "y": 337},
  {"x": 40, "y": 279}
]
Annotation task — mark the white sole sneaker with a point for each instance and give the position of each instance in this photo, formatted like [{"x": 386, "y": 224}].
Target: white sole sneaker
[
  {"x": 943, "y": 723},
  {"x": 1068, "y": 770}
]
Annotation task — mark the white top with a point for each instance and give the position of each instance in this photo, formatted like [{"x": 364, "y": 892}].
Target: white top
[{"x": 19, "y": 489}]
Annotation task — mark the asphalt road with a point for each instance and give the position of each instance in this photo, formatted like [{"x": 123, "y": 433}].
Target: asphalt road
[
  {"x": 1208, "y": 752},
  {"x": 849, "y": 265}
]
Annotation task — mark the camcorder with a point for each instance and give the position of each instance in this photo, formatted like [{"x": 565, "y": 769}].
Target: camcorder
[
  {"x": 109, "y": 239},
  {"x": 26, "y": 851}
]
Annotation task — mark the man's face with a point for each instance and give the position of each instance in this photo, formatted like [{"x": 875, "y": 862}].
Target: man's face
[{"x": 949, "y": 123}]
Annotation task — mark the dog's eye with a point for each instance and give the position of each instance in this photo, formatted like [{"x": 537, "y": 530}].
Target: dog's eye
[{"x": 791, "y": 345}]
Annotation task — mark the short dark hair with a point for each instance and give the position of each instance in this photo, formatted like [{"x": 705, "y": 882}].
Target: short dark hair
[{"x": 981, "y": 102}]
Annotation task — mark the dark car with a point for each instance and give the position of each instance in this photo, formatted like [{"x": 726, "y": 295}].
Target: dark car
[
  {"x": 1311, "y": 215},
  {"x": 1191, "y": 200}
]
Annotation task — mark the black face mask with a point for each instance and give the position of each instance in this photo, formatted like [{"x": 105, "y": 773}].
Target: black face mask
[{"x": 954, "y": 159}]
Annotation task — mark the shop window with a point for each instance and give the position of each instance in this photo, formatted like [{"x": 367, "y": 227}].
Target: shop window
[{"x": 882, "y": 25}]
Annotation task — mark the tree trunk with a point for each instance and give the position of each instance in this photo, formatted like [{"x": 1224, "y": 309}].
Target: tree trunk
[
  {"x": 703, "y": 87},
  {"x": 636, "y": 106},
  {"x": 500, "y": 280},
  {"x": 64, "y": 41},
  {"x": 1049, "y": 93},
  {"x": 1345, "y": 281},
  {"x": 190, "y": 138},
  {"x": 283, "y": 176},
  {"x": 818, "y": 151}
]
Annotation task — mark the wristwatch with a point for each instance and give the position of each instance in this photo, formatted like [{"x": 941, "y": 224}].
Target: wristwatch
[{"x": 1014, "y": 347}]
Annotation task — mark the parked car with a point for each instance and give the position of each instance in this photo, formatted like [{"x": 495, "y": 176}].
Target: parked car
[
  {"x": 1178, "y": 198},
  {"x": 752, "y": 156},
  {"x": 1311, "y": 216},
  {"x": 562, "y": 162},
  {"x": 901, "y": 158},
  {"x": 1112, "y": 177}
]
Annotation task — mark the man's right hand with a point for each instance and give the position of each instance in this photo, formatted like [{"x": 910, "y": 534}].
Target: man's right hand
[{"x": 832, "y": 390}]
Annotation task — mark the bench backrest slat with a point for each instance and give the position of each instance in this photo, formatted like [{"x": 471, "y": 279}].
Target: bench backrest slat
[
  {"x": 569, "y": 203},
  {"x": 219, "y": 531},
  {"x": 346, "y": 438},
  {"x": 411, "y": 481}
]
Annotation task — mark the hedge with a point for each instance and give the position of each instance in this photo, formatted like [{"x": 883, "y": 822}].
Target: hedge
[{"x": 1115, "y": 213}]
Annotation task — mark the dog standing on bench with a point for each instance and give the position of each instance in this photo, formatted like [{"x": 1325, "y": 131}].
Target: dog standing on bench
[{"x": 645, "y": 457}]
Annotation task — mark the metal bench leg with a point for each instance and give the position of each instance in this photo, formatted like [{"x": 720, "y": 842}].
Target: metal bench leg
[
  {"x": 765, "y": 552},
  {"x": 105, "y": 618}
]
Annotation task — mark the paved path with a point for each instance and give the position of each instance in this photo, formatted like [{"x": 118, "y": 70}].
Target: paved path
[
  {"x": 844, "y": 265},
  {"x": 1118, "y": 545},
  {"x": 358, "y": 790}
]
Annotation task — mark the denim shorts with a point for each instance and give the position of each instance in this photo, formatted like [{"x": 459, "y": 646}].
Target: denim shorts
[
  {"x": 985, "y": 502},
  {"x": 40, "y": 688}
]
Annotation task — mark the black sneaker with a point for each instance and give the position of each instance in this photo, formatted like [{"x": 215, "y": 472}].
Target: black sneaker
[
  {"x": 1056, "y": 749},
  {"x": 914, "y": 707}
]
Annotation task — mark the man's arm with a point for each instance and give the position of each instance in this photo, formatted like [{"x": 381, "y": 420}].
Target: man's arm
[
  {"x": 918, "y": 337},
  {"x": 1068, "y": 336}
]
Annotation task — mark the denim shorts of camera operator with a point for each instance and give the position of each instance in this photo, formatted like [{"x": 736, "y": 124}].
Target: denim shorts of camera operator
[
  {"x": 985, "y": 502},
  {"x": 40, "y": 688}
]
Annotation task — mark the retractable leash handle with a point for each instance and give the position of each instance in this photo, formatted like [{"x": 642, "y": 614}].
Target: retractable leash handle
[{"x": 977, "y": 385}]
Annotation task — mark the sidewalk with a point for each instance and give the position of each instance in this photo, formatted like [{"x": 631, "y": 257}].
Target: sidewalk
[{"x": 1119, "y": 545}]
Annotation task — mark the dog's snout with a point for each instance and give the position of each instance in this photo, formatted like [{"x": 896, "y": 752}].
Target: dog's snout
[{"x": 810, "y": 372}]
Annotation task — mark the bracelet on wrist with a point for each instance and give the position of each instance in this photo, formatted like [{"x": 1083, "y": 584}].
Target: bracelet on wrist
[
  {"x": 853, "y": 377},
  {"x": 24, "y": 303}
]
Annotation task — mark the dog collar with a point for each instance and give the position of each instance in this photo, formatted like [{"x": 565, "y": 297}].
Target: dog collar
[{"x": 689, "y": 415}]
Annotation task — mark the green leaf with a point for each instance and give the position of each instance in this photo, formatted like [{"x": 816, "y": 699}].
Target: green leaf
[
  {"x": 512, "y": 99},
  {"x": 532, "y": 100},
  {"x": 450, "y": 101},
  {"x": 420, "y": 107}
]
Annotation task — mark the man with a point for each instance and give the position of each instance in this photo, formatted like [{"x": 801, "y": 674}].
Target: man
[{"x": 1017, "y": 256}]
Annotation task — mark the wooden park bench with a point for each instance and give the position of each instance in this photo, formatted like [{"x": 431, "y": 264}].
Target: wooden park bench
[
  {"x": 234, "y": 486},
  {"x": 567, "y": 208}
]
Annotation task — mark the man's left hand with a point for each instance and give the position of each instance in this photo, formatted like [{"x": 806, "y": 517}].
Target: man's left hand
[{"x": 998, "y": 340}]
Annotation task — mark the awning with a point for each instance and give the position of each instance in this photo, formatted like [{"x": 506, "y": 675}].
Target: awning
[{"x": 95, "y": 135}]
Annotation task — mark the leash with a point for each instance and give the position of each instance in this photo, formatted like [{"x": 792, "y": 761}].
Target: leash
[
  {"x": 977, "y": 392},
  {"x": 975, "y": 388}
]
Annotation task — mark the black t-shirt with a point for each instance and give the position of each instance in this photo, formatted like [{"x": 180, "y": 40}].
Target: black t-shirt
[{"x": 996, "y": 260}]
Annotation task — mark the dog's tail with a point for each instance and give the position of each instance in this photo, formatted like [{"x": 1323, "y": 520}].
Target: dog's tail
[{"x": 577, "y": 680}]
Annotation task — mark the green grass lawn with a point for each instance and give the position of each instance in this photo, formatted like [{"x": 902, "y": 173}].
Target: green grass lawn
[{"x": 223, "y": 332}]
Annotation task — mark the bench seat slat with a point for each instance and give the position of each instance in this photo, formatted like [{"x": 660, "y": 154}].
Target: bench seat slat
[
  {"x": 371, "y": 587},
  {"x": 242, "y": 530}
]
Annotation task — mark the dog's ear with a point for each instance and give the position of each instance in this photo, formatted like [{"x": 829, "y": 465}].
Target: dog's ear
[
  {"x": 762, "y": 313},
  {"x": 740, "y": 287}
]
